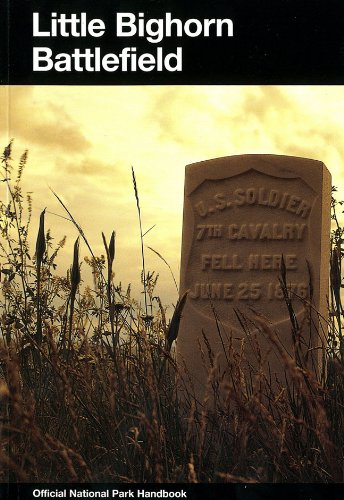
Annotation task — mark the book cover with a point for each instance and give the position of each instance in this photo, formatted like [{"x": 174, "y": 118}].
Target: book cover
[{"x": 102, "y": 106}]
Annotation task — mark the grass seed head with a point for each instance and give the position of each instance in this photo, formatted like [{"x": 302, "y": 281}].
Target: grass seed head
[
  {"x": 40, "y": 243},
  {"x": 112, "y": 246},
  {"x": 75, "y": 272}
]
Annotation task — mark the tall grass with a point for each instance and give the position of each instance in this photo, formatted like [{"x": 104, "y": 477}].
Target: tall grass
[{"x": 91, "y": 391}]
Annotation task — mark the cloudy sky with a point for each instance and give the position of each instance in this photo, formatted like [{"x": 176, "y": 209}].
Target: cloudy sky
[{"x": 82, "y": 142}]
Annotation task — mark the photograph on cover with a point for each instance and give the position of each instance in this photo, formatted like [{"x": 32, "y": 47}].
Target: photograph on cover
[{"x": 103, "y": 277}]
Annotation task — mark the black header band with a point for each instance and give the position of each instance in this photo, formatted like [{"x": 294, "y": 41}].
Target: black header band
[{"x": 202, "y": 42}]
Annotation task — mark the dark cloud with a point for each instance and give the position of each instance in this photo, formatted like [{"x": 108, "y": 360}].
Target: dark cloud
[
  {"x": 239, "y": 120},
  {"x": 174, "y": 110},
  {"x": 89, "y": 167},
  {"x": 43, "y": 123},
  {"x": 290, "y": 128},
  {"x": 261, "y": 104}
]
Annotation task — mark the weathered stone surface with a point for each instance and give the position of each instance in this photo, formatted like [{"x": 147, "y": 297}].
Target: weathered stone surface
[{"x": 241, "y": 214}]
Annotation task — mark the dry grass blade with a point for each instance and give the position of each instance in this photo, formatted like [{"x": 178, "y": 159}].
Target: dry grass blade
[
  {"x": 40, "y": 250},
  {"x": 40, "y": 242},
  {"x": 79, "y": 228},
  {"x": 75, "y": 278},
  {"x": 75, "y": 272},
  {"x": 110, "y": 249},
  {"x": 141, "y": 239},
  {"x": 336, "y": 278},
  {"x": 112, "y": 246},
  {"x": 110, "y": 254},
  {"x": 167, "y": 264},
  {"x": 173, "y": 329},
  {"x": 106, "y": 247}
]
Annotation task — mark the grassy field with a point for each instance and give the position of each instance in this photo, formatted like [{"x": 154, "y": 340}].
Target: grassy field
[{"x": 90, "y": 389}]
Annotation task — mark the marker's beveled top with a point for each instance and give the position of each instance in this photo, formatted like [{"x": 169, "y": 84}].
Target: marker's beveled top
[
  {"x": 250, "y": 157},
  {"x": 282, "y": 166}
]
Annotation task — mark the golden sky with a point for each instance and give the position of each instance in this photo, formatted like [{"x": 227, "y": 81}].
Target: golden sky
[{"x": 82, "y": 142}]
